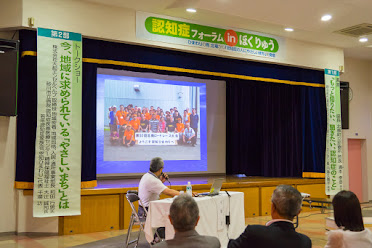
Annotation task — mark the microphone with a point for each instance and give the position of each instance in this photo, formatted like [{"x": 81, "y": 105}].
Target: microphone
[{"x": 166, "y": 177}]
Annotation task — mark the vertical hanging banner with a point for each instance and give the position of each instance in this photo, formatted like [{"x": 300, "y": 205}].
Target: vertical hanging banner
[
  {"x": 333, "y": 166},
  {"x": 57, "y": 180}
]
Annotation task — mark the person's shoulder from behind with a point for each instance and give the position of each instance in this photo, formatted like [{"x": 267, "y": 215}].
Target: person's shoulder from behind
[
  {"x": 368, "y": 236},
  {"x": 266, "y": 236},
  {"x": 305, "y": 240},
  {"x": 252, "y": 235},
  {"x": 145, "y": 179},
  {"x": 162, "y": 244},
  {"x": 194, "y": 241},
  {"x": 335, "y": 239},
  {"x": 361, "y": 239},
  {"x": 211, "y": 242}
]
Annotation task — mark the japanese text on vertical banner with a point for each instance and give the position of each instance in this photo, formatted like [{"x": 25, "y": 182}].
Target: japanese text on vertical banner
[
  {"x": 58, "y": 139},
  {"x": 333, "y": 166}
]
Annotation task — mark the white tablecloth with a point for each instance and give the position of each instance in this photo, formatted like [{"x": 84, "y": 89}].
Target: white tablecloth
[{"x": 212, "y": 211}]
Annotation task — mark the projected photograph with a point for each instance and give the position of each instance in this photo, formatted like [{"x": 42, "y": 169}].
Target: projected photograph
[
  {"x": 145, "y": 119},
  {"x": 142, "y": 118}
]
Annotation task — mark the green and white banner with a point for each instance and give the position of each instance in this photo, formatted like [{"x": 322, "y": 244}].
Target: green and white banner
[
  {"x": 184, "y": 32},
  {"x": 57, "y": 180},
  {"x": 333, "y": 159}
]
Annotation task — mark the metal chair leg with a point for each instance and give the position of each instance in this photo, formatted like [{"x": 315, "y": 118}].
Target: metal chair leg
[
  {"x": 138, "y": 237},
  {"x": 129, "y": 231}
]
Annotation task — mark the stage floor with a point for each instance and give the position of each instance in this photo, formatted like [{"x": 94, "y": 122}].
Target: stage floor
[{"x": 206, "y": 180}]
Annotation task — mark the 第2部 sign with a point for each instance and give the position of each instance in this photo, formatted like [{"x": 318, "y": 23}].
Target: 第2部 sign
[{"x": 183, "y": 32}]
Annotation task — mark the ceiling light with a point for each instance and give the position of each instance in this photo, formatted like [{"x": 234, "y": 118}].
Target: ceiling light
[
  {"x": 326, "y": 18},
  {"x": 191, "y": 10},
  {"x": 364, "y": 39},
  {"x": 289, "y": 29}
]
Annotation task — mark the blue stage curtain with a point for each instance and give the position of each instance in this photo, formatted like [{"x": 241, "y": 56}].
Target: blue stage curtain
[
  {"x": 303, "y": 124},
  {"x": 314, "y": 129},
  {"x": 27, "y": 117},
  {"x": 274, "y": 130}
]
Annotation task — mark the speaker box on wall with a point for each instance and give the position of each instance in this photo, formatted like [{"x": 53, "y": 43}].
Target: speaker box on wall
[
  {"x": 344, "y": 96},
  {"x": 8, "y": 77}
]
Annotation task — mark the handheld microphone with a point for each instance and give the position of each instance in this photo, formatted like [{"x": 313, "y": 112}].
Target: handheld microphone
[{"x": 166, "y": 177}]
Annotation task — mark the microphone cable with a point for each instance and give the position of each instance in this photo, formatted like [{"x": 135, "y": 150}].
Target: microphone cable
[{"x": 228, "y": 217}]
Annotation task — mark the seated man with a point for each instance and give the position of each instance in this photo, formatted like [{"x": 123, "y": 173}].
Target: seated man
[
  {"x": 184, "y": 216},
  {"x": 189, "y": 135},
  {"x": 152, "y": 185},
  {"x": 114, "y": 139},
  {"x": 128, "y": 138},
  {"x": 286, "y": 203}
]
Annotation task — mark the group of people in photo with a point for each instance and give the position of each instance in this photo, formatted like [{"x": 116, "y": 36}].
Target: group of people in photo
[{"x": 128, "y": 120}]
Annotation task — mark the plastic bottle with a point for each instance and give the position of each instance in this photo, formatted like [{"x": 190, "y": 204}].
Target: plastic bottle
[{"x": 189, "y": 189}]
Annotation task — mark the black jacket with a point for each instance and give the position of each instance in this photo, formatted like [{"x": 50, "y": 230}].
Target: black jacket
[{"x": 279, "y": 234}]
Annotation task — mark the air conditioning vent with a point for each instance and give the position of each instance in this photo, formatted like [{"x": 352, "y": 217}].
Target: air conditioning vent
[{"x": 357, "y": 30}]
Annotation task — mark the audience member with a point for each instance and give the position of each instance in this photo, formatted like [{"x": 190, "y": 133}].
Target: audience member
[
  {"x": 286, "y": 203},
  {"x": 184, "y": 216},
  {"x": 348, "y": 217}
]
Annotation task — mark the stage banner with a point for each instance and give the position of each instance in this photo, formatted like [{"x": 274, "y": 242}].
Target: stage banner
[
  {"x": 178, "y": 31},
  {"x": 57, "y": 179},
  {"x": 157, "y": 139},
  {"x": 333, "y": 166}
]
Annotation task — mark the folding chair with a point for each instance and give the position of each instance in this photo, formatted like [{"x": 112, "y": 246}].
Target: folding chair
[{"x": 135, "y": 219}]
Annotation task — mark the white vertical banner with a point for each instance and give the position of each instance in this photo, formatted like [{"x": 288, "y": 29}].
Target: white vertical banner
[
  {"x": 333, "y": 158},
  {"x": 57, "y": 179}
]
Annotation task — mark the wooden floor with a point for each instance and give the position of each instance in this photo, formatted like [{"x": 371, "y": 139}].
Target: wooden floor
[
  {"x": 311, "y": 224},
  {"x": 105, "y": 207}
]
